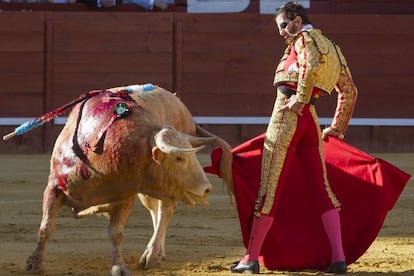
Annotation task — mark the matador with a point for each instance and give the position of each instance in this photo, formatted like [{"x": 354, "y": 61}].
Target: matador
[{"x": 312, "y": 66}]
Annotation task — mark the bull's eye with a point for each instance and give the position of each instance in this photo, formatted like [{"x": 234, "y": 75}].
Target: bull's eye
[{"x": 179, "y": 159}]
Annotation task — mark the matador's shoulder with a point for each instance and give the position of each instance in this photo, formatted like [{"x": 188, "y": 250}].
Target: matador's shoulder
[{"x": 315, "y": 36}]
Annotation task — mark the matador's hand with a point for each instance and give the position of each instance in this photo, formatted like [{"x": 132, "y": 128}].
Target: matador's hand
[
  {"x": 329, "y": 131},
  {"x": 293, "y": 105}
]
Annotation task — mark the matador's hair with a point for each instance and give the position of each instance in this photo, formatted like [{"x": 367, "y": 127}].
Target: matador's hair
[{"x": 292, "y": 9}]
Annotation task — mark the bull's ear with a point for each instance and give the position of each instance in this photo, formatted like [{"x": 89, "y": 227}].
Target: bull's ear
[{"x": 156, "y": 154}]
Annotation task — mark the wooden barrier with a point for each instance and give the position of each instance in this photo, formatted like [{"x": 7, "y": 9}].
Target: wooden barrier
[{"x": 219, "y": 65}]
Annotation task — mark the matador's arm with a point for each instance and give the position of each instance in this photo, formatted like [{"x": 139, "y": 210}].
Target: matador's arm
[{"x": 347, "y": 95}]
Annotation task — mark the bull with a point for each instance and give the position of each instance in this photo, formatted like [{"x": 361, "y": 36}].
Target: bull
[{"x": 122, "y": 142}]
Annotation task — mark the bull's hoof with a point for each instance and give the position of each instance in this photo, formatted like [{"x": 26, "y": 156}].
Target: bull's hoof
[
  {"x": 149, "y": 264},
  {"x": 33, "y": 265},
  {"x": 120, "y": 270},
  {"x": 148, "y": 261},
  {"x": 75, "y": 213}
]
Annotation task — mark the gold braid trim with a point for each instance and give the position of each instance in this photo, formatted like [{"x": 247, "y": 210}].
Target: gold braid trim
[
  {"x": 347, "y": 96},
  {"x": 279, "y": 134},
  {"x": 328, "y": 188}
]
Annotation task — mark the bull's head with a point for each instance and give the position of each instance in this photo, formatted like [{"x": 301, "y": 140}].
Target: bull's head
[{"x": 179, "y": 172}]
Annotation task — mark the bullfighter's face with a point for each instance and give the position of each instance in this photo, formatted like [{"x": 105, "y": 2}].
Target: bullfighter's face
[{"x": 287, "y": 28}]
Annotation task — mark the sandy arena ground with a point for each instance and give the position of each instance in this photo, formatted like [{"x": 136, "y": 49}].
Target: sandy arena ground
[{"x": 203, "y": 240}]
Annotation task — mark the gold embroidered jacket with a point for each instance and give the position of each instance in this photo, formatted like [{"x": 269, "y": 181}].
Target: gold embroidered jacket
[{"x": 319, "y": 64}]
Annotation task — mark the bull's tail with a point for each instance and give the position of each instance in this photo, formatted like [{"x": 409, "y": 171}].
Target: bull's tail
[{"x": 225, "y": 172}]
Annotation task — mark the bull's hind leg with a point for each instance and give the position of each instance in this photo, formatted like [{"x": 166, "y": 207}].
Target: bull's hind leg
[
  {"x": 52, "y": 202},
  {"x": 119, "y": 214},
  {"x": 93, "y": 210}
]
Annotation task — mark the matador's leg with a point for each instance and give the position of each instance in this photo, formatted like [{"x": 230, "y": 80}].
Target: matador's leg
[
  {"x": 276, "y": 155},
  {"x": 278, "y": 141}
]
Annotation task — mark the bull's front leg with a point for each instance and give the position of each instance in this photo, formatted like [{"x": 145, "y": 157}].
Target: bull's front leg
[
  {"x": 161, "y": 213},
  {"x": 119, "y": 215},
  {"x": 52, "y": 202}
]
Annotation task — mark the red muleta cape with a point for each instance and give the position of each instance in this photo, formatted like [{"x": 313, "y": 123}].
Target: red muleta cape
[{"x": 367, "y": 187}]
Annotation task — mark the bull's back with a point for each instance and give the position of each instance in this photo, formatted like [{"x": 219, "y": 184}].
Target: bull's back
[{"x": 167, "y": 109}]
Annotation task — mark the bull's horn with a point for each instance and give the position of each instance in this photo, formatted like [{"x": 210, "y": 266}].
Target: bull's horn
[
  {"x": 197, "y": 140},
  {"x": 162, "y": 142}
]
